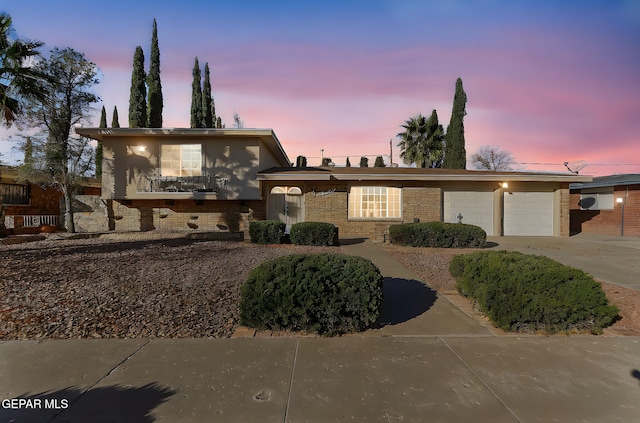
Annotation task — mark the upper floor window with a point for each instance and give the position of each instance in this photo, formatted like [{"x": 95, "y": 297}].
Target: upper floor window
[
  {"x": 375, "y": 202},
  {"x": 596, "y": 199},
  {"x": 181, "y": 160},
  {"x": 14, "y": 194}
]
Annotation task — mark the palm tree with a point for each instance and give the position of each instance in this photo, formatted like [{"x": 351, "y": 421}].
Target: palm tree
[
  {"x": 17, "y": 78},
  {"x": 422, "y": 141}
]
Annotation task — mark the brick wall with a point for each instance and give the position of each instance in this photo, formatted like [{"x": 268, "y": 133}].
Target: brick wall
[
  {"x": 328, "y": 202},
  {"x": 608, "y": 222}
]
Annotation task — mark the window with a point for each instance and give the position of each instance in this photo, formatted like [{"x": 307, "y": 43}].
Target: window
[
  {"x": 181, "y": 160},
  {"x": 375, "y": 202},
  {"x": 597, "y": 199},
  {"x": 14, "y": 194}
]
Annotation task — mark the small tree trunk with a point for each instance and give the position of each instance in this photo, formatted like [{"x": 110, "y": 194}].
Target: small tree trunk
[
  {"x": 2, "y": 213},
  {"x": 68, "y": 210}
]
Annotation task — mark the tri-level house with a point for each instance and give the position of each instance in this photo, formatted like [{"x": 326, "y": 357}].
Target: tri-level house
[{"x": 222, "y": 179}]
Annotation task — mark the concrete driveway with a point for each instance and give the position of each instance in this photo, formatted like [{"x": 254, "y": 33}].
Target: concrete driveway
[{"x": 607, "y": 258}]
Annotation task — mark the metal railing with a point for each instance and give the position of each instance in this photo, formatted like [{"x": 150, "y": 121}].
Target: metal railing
[
  {"x": 205, "y": 184},
  {"x": 34, "y": 221}
]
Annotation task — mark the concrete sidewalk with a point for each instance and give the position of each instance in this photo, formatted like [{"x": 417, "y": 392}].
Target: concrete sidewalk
[{"x": 425, "y": 363}]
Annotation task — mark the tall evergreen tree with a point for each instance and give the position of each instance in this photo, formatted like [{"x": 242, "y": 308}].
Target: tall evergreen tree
[
  {"x": 115, "y": 123},
  {"x": 155, "y": 103},
  {"x": 99, "y": 149},
  {"x": 379, "y": 162},
  {"x": 138, "y": 95},
  {"x": 208, "y": 108},
  {"x": 455, "y": 156},
  {"x": 348, "y": 163},
  {"x": 364, "y": 162},
  {"x": 196, "y": 97},
  {"x": 219, "y": 123}
]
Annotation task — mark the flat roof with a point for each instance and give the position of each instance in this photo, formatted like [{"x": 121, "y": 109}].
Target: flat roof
[
  {"x": 266, "y": 135},
  {"x": 410, "y": 173},
  {"x": 609, "y": 181}
]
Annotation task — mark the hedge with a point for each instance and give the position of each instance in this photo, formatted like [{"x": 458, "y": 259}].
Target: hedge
[
  {"x": 325, "y": 293},
  {"x": 266, "y": 231},
  {"x": 521, "y": 292},
  {"x": 314, "y": 233},
  {"x": 438, "y": 235}
]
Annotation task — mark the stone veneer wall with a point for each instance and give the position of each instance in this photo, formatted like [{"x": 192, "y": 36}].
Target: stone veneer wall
[{"x": 99, "y": 215}]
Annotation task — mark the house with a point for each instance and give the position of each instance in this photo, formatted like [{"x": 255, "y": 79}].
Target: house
[
  {"x": 222, "y": 179},
  {"x": 28, "y": 206},
  {"x": 599, "y": 206}
]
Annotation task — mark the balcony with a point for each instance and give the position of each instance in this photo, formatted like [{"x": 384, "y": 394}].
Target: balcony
[{"x": 181, "y": 186}]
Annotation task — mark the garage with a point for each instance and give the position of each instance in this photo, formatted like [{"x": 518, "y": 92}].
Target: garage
[
  {"x": 470, "y": 207},
  {"x": 528, "y": 213}
]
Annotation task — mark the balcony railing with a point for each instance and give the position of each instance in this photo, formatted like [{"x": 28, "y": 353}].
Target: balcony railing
[{"x": 204, "y": 184}]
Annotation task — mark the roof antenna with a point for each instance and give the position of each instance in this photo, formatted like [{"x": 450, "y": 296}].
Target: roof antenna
[{"x": 575, "y": 167}]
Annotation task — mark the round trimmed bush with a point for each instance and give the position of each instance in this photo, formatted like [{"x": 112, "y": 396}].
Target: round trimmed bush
[
  {"x": 314, "y": 233},
  {"x": 523, "y": 292},
  {"x": 266, "y": 231},
  {"x": 438, "y": 235},
  {"x": 325, "y": 293}
]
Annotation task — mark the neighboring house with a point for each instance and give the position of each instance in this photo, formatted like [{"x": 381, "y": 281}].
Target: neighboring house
[
  {"x": 29, "y": 206},
  {"x": 597, "y": 206},
  {"x": 184, "y": 178},
  {"x": 222, "y": 179}
]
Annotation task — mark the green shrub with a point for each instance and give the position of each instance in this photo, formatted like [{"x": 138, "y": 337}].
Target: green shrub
[
  {"x": 324, "y": 293},
  {"x": 521, "y": 292},
  {"x": 438, "y": 234},
  {"x": 266, "y": 231},
  {"x": 314, "y": 233}
]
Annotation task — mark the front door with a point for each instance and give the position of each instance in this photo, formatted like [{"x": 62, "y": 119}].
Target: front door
[{"x": 286, "y": 204}]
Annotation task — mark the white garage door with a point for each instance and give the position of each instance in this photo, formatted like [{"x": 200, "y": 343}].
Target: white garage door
[
  {"x": 528, "y": 213},
  {"x": 475, "y": 207}
]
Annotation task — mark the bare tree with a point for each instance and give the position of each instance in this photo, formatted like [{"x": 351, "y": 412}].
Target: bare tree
[{"x": 492, "y": 157}]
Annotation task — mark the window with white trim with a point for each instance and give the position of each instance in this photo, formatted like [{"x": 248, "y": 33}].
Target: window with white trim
[
  {"x": 181, "y": 160},
  {"x": 375, "y": 202},
  {"x": 597, "y": 199}
]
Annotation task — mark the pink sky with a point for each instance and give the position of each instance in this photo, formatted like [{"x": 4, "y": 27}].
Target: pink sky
[{"x": 549, "y": 83}]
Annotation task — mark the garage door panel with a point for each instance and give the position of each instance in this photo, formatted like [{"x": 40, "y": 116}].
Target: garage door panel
[
  {"x": 476, "y": 208},
  {"x": 528, "y": 214}
]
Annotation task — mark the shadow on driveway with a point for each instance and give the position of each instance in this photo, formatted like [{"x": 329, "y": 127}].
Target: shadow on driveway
[{"x": 404, "y": 299}]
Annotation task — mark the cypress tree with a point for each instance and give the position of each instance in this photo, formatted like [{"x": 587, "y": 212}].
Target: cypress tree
[
  {"x": 196, "y": 97},
  {"x": 114, "y": 119},
  {"x": 208, "y": 108},
  {"x": 138, "y": 95},
  {"x": 219, "y": 122},
  {"x": 99, "y": 151},
  {"x": 455, "y": 156},
  {"x": 348, "y": 164},
  {"x": 155, "y": 103}
]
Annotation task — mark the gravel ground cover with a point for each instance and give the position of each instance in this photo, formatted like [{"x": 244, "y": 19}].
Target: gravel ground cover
[{"x": 96, "y": 288}]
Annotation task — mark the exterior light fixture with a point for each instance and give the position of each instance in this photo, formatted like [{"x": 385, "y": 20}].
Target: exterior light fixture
[
  {"x": 504, "y": 185},
  {"x": 142, "y": 148}
]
